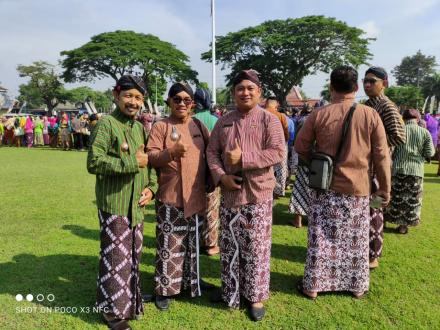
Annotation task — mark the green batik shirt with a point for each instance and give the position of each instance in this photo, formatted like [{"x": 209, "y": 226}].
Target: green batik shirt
[{"x": 119, "y": 180}]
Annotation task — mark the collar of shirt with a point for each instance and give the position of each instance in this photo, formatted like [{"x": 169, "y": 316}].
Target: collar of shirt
[
  {"x": 117, "y": 114},
  {"x": 249, "y": 113},
  {"x": 339, "y": 98},
  {"x": 411, "y": 122}
]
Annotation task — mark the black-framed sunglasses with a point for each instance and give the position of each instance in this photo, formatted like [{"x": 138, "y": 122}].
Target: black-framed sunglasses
[
  {"x": 177, "y": 100},
  {"x": 370, "y": 81}
]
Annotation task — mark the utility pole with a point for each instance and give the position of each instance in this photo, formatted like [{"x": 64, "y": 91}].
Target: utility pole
[{"x": 214, "y": 96}]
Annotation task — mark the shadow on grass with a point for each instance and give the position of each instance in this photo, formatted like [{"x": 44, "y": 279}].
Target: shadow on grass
[
  {"x": 289, "y": 253},
  {"x": 432, "y": 180},
  {"x": 70, "y": 278}
]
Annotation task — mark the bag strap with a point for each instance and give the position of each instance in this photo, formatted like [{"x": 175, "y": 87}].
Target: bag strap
[
  {"x": 345, "y": 128},
  {"x": 199, "y": 125}
]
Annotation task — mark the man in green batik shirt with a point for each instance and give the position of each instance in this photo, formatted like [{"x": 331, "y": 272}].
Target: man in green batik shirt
[{"x": 117, "y": 157}]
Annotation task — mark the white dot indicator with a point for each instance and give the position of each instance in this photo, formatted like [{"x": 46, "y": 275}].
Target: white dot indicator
[
  {"x": 19, "y": 297},
  {"x": 29, "y": 297}
]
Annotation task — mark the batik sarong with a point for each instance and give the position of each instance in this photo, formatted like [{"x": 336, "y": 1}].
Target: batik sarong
[
  {"x": 300, "y": 198},
  {"x": 119, "y": 290},
  {"x": 212, "y": 219},
  {"x": 245, "y": 242},
  {"x": 337, "y": 248},
  {"x": 406, "y": 200},
  {"x": 280, "y": 171},
  {"x": 177, "y": 251},
  {"x": 29, "y": 139},
  {"x": 376, "y": 228},
  {"x": 293, "y": 161}
]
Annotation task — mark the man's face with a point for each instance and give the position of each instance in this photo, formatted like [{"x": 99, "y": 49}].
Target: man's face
[
  {"x": 129, "y": 101},
  {"x": 373, "y": 86},
  {"x": 247, "y": 95},
  {"x": 181, "y": 105}
]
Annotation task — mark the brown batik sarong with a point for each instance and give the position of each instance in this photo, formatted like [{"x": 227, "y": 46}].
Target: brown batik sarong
[
  {"x": 119, "y": 290},
  {"x": 212, "y": 219},
  {"x": 245, "y": 242},
  {"x": 337, "y": 248},
  {"x": 177, "y": 251}
]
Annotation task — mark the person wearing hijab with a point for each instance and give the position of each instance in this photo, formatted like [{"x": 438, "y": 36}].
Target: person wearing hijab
[
  {"x": 245, "y": 145},
  {"x": 45, "y": 130},
  {"x": 118, "y": 159},
  {"x": 210, "y": 231},
  {"x": 408, "y": 171},
  {"x": 29, "y": 131},
  {"x": 176, "y": 149},
  {"x": 38, "y": 132}
]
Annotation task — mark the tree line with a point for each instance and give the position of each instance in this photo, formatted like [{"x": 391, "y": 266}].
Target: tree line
[{"x": 284, "y": 52}]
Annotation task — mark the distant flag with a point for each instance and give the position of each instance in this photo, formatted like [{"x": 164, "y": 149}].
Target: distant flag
[
  {"x": 431, "y": 107},
  {"x": 424, "y": 104}
]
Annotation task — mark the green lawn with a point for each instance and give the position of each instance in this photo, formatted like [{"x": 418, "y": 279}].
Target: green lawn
[{"x": 49, "y": 244}]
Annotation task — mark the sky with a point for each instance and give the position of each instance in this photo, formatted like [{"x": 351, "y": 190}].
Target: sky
[{"x": 33, "y": 30}]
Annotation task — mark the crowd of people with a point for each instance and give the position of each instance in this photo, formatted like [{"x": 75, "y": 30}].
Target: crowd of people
[
  {"x": 67, "y": 132},
  {"x": 219, "y": 174}
]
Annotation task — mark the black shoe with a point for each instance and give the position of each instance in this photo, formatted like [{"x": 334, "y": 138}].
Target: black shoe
[
  {"x": 216, "y": 296},
  {"x": 116, "y": 324},
  {"x": 162, "y": 303},
  {"x": 257, "y": 314},
  {"x": 206, "y": 286},
  {"x": 146, "y": 297}
]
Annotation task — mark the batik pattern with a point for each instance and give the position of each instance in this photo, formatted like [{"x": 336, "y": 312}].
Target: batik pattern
[
  {"x": 337, "y": 250},
  {"x": 245, "y": 242},
  {"x": 177, "y": 251},
  {"x": 300, "y": 198},
  {"x": 118, "y": 290},
  {"x": 406, "y": 200},
  {"x": 212, "y": 219},
  {"x": 280, "y": 171}
]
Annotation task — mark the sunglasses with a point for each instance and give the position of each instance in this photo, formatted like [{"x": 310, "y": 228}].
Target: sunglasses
[
  {"x": 178, "y": 100},
  {"x": 370, "y": 81}
]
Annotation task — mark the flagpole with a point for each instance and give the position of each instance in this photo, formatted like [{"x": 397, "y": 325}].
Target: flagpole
[{"x": 214, "y": 96}]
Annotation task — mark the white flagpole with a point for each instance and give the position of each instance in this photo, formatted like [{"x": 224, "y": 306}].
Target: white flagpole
[{"x": 214, "y": 96}]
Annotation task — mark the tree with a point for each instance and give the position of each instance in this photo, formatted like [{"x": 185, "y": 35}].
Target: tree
[
  {"x": 113, "y": 54},
  {"x": 325, "y": 93},
  {"x": 44, "y": 87},
  {"x": 405, "y": 97},
  {"x": 224, "y": 96},
  {"x": 414, "y": 69},
  {"x": 285, "y": 51},
  {"x": 102, "y": 100},
  {"x": 431, "y": 86}
]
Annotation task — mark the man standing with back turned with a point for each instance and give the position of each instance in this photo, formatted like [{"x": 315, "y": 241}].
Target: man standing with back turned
[{"x": 118, "y": 159}]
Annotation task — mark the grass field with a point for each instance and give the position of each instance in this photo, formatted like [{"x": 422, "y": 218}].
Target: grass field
[{"x": 49, "y": 244}]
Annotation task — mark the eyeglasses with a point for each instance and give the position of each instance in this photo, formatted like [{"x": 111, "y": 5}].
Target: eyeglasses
[
  {"x": 370, "y": 81},
  {"x": 177, "y": 100}
]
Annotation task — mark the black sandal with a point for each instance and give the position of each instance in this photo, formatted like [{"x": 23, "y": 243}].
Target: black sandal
[
  {"x": 300, "y": 289},
  {"x": 402, "y": 229},
  {"x": 118, "y": 324}
]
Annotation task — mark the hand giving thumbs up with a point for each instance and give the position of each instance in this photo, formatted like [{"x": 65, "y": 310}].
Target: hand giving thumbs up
[{"x": 233, "y": 157}]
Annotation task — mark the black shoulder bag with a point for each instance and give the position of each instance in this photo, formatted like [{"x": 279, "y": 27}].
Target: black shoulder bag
[{"x": 321, "y": 165}]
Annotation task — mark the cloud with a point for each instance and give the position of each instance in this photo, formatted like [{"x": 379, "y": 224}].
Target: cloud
[{"x": 370, "y": 28}]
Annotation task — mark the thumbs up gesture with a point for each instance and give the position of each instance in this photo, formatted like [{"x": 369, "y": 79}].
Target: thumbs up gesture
[
  {"x": 179, "y": 149},
  {"x": 233, "y": 157},
  {"x": 141, "y": 157}
]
